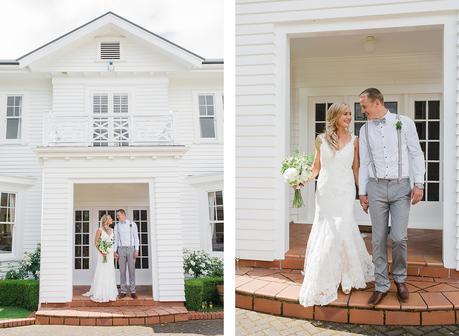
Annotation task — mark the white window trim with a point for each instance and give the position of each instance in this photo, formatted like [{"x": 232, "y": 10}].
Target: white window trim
[
  {"x": 218, "y": 114},
  {"x": 205, "y": 184},
  {"x": 3, "y": 106},
  {"x": 17, "y": 249}
]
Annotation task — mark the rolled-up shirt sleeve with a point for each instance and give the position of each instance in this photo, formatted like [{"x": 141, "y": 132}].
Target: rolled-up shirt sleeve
[
  {"x": 415, "y": 153},
  {"x": 364, "y": 162}
]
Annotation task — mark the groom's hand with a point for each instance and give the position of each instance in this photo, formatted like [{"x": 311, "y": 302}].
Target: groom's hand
[
  {"x": 364, "y": 202},
  {"x": 136, "y": 254},
  {"x": 416, "y": 195},
  {"x": 116, "y": 256}
]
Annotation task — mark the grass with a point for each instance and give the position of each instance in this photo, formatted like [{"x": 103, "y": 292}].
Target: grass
[{"x": 13, "y": 312}]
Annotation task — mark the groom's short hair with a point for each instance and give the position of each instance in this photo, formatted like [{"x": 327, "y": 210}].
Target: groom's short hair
[
  {"x": 373, "y": 94},
  {"x": 122, "y": 211}
]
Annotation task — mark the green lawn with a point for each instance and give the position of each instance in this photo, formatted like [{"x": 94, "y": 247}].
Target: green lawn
[{"x": 13, "y": 312}]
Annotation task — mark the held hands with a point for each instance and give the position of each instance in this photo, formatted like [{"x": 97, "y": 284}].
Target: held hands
[
  {"x": 136, "y": 255},
  {"x": 364, "y": 203},
  {"x": 416, "y": 195},
  {"x": 116, "y": 256}
]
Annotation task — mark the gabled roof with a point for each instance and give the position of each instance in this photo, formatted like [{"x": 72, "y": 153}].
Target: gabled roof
[{"x": 179, "y": 52}]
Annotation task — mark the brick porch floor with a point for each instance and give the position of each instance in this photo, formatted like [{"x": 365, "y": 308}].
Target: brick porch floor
[
  {"x": 273, "y": 287},
  {"x": 127, "y": 311}
]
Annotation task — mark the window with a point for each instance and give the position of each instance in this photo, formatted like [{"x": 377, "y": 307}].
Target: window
[
  {"x": 207, "y": 116},
  {"x": 109, "y": 50},
  {"x": 110, "y": 122},
  {"x": 427, "y": 121},
  {"x": 140, "y": 218},
  {"x": 216, "y": 219},
  {"x": 7, "y": 217},
  {"x": 81, "y": 239},
  {"x": 13, "y": 117}
]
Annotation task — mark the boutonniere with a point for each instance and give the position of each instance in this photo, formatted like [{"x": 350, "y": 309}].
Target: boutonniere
[{"x": 398, "y": 125}]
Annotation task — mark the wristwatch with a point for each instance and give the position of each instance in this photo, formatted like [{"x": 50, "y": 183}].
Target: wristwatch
[{"x": 419, "y": 185}]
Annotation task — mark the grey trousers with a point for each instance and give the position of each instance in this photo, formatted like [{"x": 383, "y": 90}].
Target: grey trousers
[
  {"x": 126, "y": 256},
  {"x": 389, "y": 197}
]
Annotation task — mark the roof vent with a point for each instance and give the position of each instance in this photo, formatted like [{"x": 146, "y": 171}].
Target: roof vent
[{"x": 109, "y": 50}]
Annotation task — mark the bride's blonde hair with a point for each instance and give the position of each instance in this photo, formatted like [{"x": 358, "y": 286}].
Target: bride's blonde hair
[
  {"x": 335, "y": 111},
  {"x": 104, "y": 219}
]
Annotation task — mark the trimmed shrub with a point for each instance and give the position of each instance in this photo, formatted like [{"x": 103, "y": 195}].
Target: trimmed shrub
[
  {"x": 201, "y": 290},
  {"x": 193, "y": 294},
  {"x": 209, "y": 289},
  {"x": 19, "y": 293}
]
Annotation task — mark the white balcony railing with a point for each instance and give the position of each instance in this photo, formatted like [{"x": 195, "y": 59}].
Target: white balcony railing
[{"x": 108, "y": 130}]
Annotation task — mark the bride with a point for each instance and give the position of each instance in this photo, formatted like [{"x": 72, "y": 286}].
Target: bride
[
  {"x": 335, "y": 253},
  {"x": 103, "y": 287}
]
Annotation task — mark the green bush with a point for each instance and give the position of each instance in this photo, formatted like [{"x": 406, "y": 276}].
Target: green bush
[
  {"x": 201, "y": 290},
  {"x": 193, "y": 294},
  {"x": 209, "y": 289},
  {"x": 19, "y": 293}
]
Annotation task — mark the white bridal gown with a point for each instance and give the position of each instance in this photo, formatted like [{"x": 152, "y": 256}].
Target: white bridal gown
[
  {"x": 336, "y": 253},
  {"x": 103, "y": 287}
]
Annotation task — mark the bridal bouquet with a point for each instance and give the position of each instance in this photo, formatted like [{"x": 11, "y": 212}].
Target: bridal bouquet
[
  {"x": 296, "y": 170},
  {"x": 105, "y": 246}
]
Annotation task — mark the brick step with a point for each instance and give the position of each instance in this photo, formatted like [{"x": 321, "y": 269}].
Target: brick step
[
  {"x": 86, "y": 302},
  {"x": 112, "y": 316},
  {"x": 433, "y": 301},
  {"x": 415, "y": 268}
]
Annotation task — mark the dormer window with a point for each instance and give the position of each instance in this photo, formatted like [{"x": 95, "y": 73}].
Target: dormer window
[{"x": 109, "y": 50}]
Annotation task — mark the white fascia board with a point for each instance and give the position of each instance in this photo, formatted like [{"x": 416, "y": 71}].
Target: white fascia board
[{"x": 96, "y": 152}]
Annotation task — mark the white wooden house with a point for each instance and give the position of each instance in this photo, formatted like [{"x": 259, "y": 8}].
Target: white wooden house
[
  {"x": 108, "y": 116},
  {"x": 294, "y": 58}
]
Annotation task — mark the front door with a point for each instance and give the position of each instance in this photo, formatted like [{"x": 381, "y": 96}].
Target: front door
[{"x": 86, "y": 222}]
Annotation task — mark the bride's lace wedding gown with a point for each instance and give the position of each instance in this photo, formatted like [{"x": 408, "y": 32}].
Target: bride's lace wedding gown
[
  {"x": 103, "y": 287},
  {"x": 336, "y": 253}
]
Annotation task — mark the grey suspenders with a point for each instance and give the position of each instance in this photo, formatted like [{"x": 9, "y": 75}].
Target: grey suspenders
[{"x": 399, "y": 145}]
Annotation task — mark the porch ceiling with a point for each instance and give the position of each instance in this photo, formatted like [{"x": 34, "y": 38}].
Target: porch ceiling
[{"x": 414, "y": 40}]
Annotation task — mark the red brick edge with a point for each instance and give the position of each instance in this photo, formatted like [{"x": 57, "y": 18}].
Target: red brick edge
[
  {"x": 17, "y": 322},
  {"x": 193, "y": 315}
]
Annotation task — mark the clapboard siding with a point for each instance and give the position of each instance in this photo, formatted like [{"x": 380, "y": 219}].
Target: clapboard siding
[
  {"x": 83, "y": 56},
  {"x": 201, "y": 159}
]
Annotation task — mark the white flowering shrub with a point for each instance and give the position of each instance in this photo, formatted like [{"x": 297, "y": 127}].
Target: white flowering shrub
[
  {"x": 196, "y": 263},
  {"x": 29, "y": 267}
]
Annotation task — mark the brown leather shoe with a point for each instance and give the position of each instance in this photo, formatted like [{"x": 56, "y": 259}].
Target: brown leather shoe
[
  {"x": 402, "y": 292},
  {"x": 376, "y": 298},
  {"x": 121, "y": 295},
  {"x": 134, "y": 295}
]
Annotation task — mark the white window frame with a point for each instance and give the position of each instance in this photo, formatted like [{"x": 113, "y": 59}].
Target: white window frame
[
  {"x": 3, "y": 119},
  {"x": 213, "y": 223},
  {"x": 205, "y": 184},
  {"x": 18, "y": 186},
  {"x": 218, "y": 115},
  {"x": 110, "y": 92}
]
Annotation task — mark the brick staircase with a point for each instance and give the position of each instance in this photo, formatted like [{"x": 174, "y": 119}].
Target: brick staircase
[
  {"x": 273, "y": 287},
  {"x": 127, "y": 311}
]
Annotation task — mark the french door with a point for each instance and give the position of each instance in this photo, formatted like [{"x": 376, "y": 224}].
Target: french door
[{"x": 86, "y": 222}]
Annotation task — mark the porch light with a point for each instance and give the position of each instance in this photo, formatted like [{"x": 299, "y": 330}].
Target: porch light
[{"x": 370, "y": 44}]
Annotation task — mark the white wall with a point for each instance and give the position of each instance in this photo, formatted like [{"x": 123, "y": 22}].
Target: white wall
[{"x": 263, "y": 96}]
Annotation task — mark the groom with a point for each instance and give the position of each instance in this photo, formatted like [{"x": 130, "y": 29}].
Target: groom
[
  {"x": 126, "y": 249},
  {"x": 389, "y": 150}
]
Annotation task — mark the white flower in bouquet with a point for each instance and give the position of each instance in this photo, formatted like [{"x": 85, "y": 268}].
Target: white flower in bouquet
[
  {"x": 296, "y": 170},
  {"x": 291, "y": 175}
]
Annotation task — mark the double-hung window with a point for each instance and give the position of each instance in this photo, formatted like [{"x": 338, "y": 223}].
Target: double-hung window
[
  {"x": 7, "y": 220},
  {"x": 13, "y": 117},
  {"x": 216, "y": 219}
]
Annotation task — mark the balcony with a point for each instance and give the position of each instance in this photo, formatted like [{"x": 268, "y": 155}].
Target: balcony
[{"x": 108, "y": 130}]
